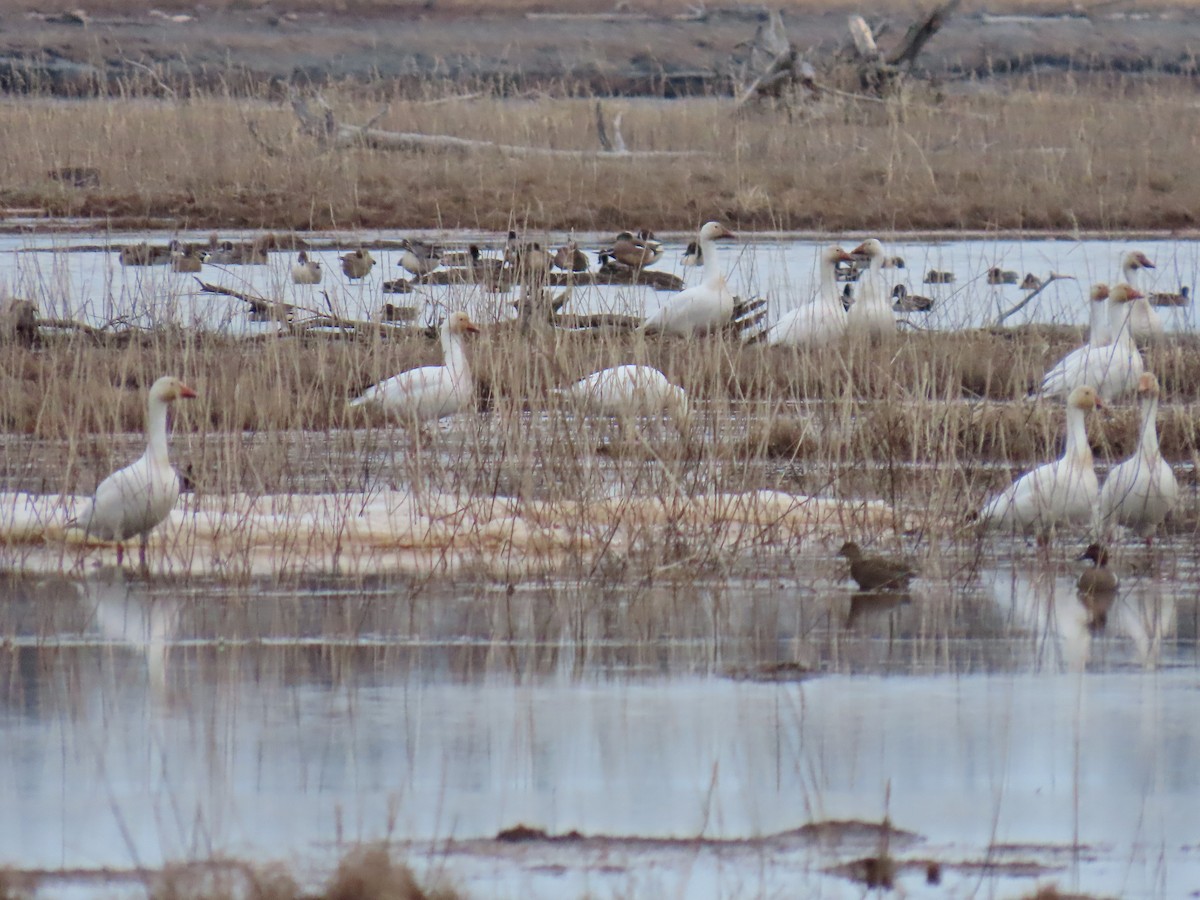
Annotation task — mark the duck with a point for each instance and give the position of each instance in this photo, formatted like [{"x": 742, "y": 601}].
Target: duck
[
  {"x": 903, "y": 301},
  {"x": 1030, "y": 282},
  {"x": 1145, "y": 324},
  {"x": 133, "y": 501},
  {"x": 933, "y": 276},
  {"x": 997, "y": 275},
  {"x": 144, "y": 254},
  {"x": 1063, "y": 492},
  {"x": 1140, "y": 492},
  {"x": 1165, "y": 298},
  {"x": 822, "y": 320},
  {"x": 357, "y": 264},
  {"x": 185, "y": 258},
  {"x": 1113, "y": 368},
  {"x": 1096, "y": 580},
  {"x": 305, "y": 270},
  {"x": 875, "y": 573},
  {"x": 692, "y": 255},
  {"x": 635, "y": 251},
  {"x": 528, "y": 258},
  {"x": 630, "y": 390},
  {"x": 570, "y": 258},
  {"x": 871, "y": 313},
  {"x": 430, "y": 392},
  {"x": 227, "y": 253},
  {"x": 420, "y": 258},
  {"x": 704, "y": 307}
]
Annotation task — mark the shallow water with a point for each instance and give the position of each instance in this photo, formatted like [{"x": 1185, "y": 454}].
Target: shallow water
[
  {"x": 991, "y": 712},
  {"x": 95, "y": 288}
]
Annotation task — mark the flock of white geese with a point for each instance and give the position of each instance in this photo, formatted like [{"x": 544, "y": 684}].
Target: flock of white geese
[{"x": 1137, "y": 494}]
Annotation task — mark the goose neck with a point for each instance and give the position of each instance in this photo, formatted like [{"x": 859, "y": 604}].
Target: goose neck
[
  {"x": 1118, "y": 321},
  {"x": 454, "y": 353},
  {"x": 1098, "y": 324},
  {"x": 1078, "y": 447},
  {"x": 708, "y": 253},
  {"x": 1149, "y": 410},
  {"x": 156, "y": 431}
]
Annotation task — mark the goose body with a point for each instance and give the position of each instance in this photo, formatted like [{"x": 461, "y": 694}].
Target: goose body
[
  {"x": 1113, "y": 368},
  {"x": 429, "y": 392},
  {"x": 821, "y": 321},
  {"x": 1142, "y": 490},
  {"x": 1063, "y": 492},
  {"x": 132, "y": 501},
  {"x": 630, "y": 390},
  {"x": 1145, "y": 324},
  {"x": 420, "y": 258},
  {"x": 705, "y": 307},
  {"x": 305, "y": 270},
  {"x": 357, "y": 264},
  {"x": 871, "y": 313}
]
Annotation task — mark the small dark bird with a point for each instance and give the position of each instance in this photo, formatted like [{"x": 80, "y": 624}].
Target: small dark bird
[
  {"x": 996, "y": 275},
  {"x": 903, "y": 301},
  {"x": 1164, "y": 298},
  {"x": 933, "y": 276},
  {"x": 1031, "y": 282},
  {"x": 873, "y": 573},
  {"x": 1098, "y": 579}
]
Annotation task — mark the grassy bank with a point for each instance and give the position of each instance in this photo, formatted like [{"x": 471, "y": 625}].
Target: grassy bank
[{"x": 1062, "y": 159}]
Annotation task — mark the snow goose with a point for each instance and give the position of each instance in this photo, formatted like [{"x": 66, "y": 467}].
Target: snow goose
[
  {"x": 305, "y": 270},
  {"x": 1140, "y": 491},
  {"x": 705, "y": 307},
  {"x": 871, "y": 313},
  {"x": 1058, "y": 493},
  {"x": 132, "y": 501},
  {"x": 1144, "y": 322},
  {"x": 357, "y": 264},
  {"x": 626, "y": 391},
  {"x": 820, "y": 321},
  {"x": 1113, "y": 368},
  {"x": 429, "y": 392},
  {"x": 420, "y": 258}
]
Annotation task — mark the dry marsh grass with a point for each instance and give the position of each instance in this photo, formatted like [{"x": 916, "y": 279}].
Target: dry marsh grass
[{"x": 914, "y": 163}]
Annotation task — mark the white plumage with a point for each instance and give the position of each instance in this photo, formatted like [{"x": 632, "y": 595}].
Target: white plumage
[
  {"x": 630, "y": 391},
  {"x": 1113, "y": 368},
  {"x": 1145, "y": 324},
  {"x": 305, "y": 270},
  {"x": 820, "y": 321},
  {"x": 705, "y": 307},
  {"x": 1142, "y": 490},
  {"x": 1064, "y": 492},
  {"x": 429, "y": 392},
  {"x": 871, "y": 313},
  {"x": 132, "y": 501}
]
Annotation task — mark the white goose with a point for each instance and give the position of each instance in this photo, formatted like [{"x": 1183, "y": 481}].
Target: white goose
[
  {"x": 871, "y": 313},
  {"x": 1058, "y": 493},
  {"x": 1141, "y": 491},
  {"x": 429, "y": 392},
  {"x": 305, "y": 270},
  {"x": 705, "y": 307},
  {"x": 1113, "y": 368},
  {"x": 132, "y": 501},
  {"x": 820, "y": 321},
  {"x": 1145, "y": 324},
  {"x": 630, "y": 391}
]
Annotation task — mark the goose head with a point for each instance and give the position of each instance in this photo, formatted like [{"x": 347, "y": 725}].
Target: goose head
[
  {"x": 870, "y": 250},
  {"x": 460, "y": 323},
  {"x": 1084, "y": 398},
  {"x": 1147, "y": 386},
  {"x": 713, "y": 231},
  {"x": 1099, "y": 292},
  {"x": 1124, "y": 293},
  {"x": 833, "y": 254},
  {"x": 1134, "y": 260},
  {"x": 168, "y": 389}
]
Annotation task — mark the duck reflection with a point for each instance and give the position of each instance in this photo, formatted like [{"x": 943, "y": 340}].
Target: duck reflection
[
  {"x": 875, "y": 603},
  {"x": 1041, "y": 598}
]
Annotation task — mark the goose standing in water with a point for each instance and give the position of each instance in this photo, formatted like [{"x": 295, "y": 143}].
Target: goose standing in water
[
  {"x": 871, "y": 313},
  {"x": 430, "y": 392},
  {"x": 820, "y": 321},
  {"x": 1142, "y": 490},
  {"x": 1145, "y": 324},
  {"x": 305, "y": 270},
  {"x": 708, "y": 306},
  {"x": 1113, "y": 368},
  {"x": 132, "y": 501},
  {"x": 629, "y": 390},
  {"x": 1063, "y": 492}
]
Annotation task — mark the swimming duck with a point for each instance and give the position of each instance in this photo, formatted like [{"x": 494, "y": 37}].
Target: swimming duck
[
  {"x": 430, "y": 392},
  {"x": 1113, "y": 368},
  {"x": 996, "y": 275},
  {"x": 357, "y": 264},
  {"x": 227, "y": 253},
  {"x": 1142, "y": 490},
  {"x": 705, "y": 307},
  {"x": 570, "y": 258},
  {"x": 420, "y": 258},
  {"x": 144, "y": 254},
  {"x": 933, "y": 276},
  {"x": 1165, "y": 298},
  {"x": 1063, "y": 492},
  {"x": 903, "y": 301},
  {"x": 527, "y": 258},
  {"x": 132, "y": 501},
  {"x": 820, "y": 321},
  {"x": 874, "y": 573},
  {"x": 1030, "y": 282},
  {"x": 185, "y": 258},
  {"x": 305, "y": 270},
  {"x": 1096, "y": 580}
]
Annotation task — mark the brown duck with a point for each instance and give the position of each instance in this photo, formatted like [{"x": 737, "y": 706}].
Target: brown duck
[
  {"x": 1098, "y": 579},
  {"x": 873, "y": 573}
]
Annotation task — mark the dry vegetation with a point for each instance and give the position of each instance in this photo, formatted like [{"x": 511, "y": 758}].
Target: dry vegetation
[{"x": 1062, "y": 159}]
